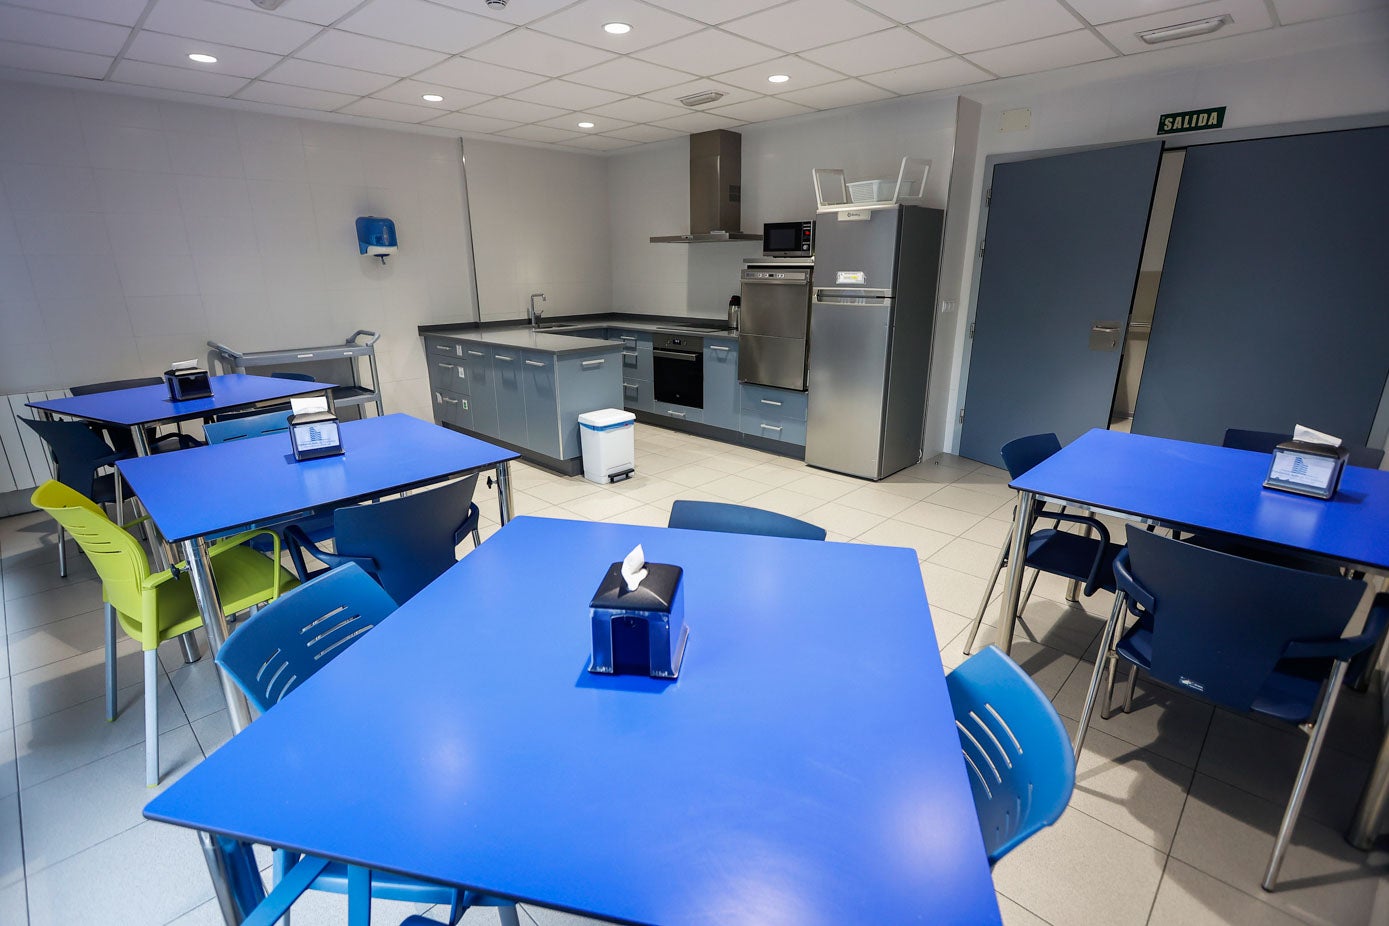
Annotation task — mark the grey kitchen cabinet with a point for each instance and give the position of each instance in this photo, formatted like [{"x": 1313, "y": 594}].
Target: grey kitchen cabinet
[
  {"x": 538, "y": 372},
  {"x": 586, "y": 384},
  {"x": 511, "y": 401},
  {"x": 722, "y": 391},
  {"x": 449, "y": 373},
  {"x": 482, "y": 387},
  {"x": 637, "y": 394},
  {"x": 678, "y": 412},
  {"x": 776, "y": 414},
  {"x": 452, "y": 408},
  {"x": 636, "y": 352}
]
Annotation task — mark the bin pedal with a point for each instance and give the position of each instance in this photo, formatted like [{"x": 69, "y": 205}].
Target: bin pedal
[{"x": 625, "y": 474}]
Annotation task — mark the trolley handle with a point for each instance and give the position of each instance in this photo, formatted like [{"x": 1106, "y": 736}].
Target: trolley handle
[
  {"x": 361, "y": 331},
  {"x": 225, "y": 351}
]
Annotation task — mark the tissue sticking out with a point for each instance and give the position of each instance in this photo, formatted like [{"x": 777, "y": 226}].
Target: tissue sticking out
[{"x": 634, "y": 568}]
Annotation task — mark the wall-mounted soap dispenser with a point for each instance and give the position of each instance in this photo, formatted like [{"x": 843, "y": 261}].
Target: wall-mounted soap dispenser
[{"x": 376, "y": 236}]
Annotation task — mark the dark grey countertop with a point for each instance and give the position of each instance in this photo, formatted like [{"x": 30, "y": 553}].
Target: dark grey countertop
[
  {"x": 526, "y": 339},
  {"x": 560, "y": 326}
]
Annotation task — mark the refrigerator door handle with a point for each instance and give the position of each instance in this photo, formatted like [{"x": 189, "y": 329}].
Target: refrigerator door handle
[{"x": 852, "y": 297}]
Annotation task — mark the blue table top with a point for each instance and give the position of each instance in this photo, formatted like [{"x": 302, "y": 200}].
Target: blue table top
[
  {"x": 1201, "y": 487},
  {"x": 205, "y": 491},
  {"x": 151, "y": 404},
  {"x": 803, "y": 769}
]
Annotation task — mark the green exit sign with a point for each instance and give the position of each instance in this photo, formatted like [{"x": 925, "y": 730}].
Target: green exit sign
[{"x": 1194, "y": 120}]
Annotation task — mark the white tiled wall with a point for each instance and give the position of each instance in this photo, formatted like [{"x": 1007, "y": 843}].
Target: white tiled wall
[{"x": 133, "y": 230}]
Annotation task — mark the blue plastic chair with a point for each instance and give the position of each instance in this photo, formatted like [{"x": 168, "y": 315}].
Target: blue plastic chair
[
  {"x": 120, "y": 438},
  {"x": 219, "y": 432},
  {"x": 1018, "y": 755},
  {"x": 1265, "y": 441},
  {"x": 1250, "y": 636},
  {"x": 279, "y": 648},
  {"x": 1088, "y": 560},
  {"x": 403, "y": 543},
  {"x": 740, "y": 519}
]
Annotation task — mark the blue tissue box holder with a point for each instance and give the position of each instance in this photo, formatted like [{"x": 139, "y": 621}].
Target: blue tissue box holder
[{"x": 639, "y": 632}]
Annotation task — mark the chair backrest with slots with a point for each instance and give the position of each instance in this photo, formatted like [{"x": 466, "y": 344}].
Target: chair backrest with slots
[{"x": 251, "y": 426}]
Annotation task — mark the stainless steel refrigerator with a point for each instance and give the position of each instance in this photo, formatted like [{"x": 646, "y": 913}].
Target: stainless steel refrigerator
[{"x": 871, "y": 320}]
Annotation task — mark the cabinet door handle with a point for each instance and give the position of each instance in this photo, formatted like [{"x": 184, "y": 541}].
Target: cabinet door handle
[
  {"x": 502, "y": 357},
  {"x": 768, "y": 427},
  {"x": 593, "y": 363},
  {"x": 671, "y": 411},
  {"x": 443, "y": 348},
  {"x": 446, "y": 366},
  {"x": 477, "y": 353},
  {"x": 447, "y": 401},
  {"x": 534, "y": 363},
  {"x": 628, "y": 337},
  {"x": 718, "y": 347},
  {"x": 629, "y": 353},
  {"x": 770, "y": 402}
]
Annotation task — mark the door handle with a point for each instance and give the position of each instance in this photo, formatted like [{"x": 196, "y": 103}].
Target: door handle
[
  {"x": 718, "y": 347},
  {"x": 476, "y": 353},
  {"x": 1104, "y": 335},
  {"x": 592, "y": 363},
  {"x": 770, "y": 402},
  {"x": 535, "y": 363},
  {"x": 502, "y": 357}
]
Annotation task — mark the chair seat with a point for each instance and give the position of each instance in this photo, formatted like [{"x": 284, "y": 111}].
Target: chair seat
[
  {"x": 1071, "y": 555},
  {"x": 1284, "y": 696},
  {"x": 320, "y": 530},
  {"x": 243, "y": 578},
  {"x": 386, "y": 886},
  {"x": 104, "y": 490}
]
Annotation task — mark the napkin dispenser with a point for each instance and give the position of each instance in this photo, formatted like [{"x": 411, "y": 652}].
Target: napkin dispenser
[
  {"x": 1307, "y": 468},
  {"x": 639, "y": 631},
  {"x": 187, "y": 384},
  {"x": 314, "y": 434}
]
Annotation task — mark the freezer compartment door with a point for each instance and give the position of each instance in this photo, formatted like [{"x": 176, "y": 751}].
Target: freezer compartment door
[
  {"x": 848, "y": 380},
  {"x": 771, "y": 361}
]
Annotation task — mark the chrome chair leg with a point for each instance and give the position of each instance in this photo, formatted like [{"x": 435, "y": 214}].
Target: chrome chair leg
[
  {"x": 1106, "y": 642},
  {"x": 62, "y": 553},
  {"x": 1112, "y": 666},
  {"x": 1304, "y": 775},
  {"x": 151, "y": 718},
  {"x": 189, "y": 644},
  {"x": 1027, "y": 592},
  {"x": 110, "y": 620},
  {"x": 1128, "y": 697},
  {"x": 988, "y": 592}
]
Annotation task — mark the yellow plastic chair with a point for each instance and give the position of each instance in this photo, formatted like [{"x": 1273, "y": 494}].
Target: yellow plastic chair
[{"x": 154, "y": 607}]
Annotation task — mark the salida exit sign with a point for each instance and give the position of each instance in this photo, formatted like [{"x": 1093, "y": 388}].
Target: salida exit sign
[{"x": 1194, "y": 120}]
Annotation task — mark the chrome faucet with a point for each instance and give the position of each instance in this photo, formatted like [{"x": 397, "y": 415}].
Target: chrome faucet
[{"x": 534, "y": 312}]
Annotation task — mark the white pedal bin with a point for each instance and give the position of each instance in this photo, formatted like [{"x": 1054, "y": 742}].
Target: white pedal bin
[{"x": 607, "y": 438}]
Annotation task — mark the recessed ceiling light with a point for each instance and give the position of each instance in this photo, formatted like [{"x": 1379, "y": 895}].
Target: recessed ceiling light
[
  {"x": 432, "y": 98},
  {"x": 616, "y": 28},
  {"x": 1185, "y": 30},
  {"x": 779, "y": 78},
  {"x": 585, "y": 125},
  {"x": 201, "y": 58}
]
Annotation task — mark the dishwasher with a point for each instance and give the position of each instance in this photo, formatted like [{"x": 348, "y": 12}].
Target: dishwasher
[
  {"x": 774, "y": 323},
  {"x": 677, "y": 366}
]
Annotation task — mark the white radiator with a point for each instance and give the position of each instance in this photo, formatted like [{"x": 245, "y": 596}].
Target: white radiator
[{"x": 24, "y": 460}]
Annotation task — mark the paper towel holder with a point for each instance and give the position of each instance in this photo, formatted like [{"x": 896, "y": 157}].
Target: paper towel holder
[{"x": 376, "y": 237}]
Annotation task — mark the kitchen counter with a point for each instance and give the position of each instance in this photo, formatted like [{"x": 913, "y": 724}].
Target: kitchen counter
[
  {"x": 561, "y": 325},
  {"x": 551, "y": 342}
]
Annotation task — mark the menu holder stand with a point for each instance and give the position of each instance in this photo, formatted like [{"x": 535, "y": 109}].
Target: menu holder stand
[{"x": 1306, "y": 468}]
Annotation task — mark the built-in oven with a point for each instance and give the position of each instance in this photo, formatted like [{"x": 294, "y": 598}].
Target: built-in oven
[
  {"x": 788, "y": 239},
  {"x": 677, "y": 366}
]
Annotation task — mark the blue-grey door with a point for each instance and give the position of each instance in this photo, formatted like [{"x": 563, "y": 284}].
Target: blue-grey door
[
  {"x": 1061, "y": 257},
  {"x": 1272, "y": 308}
]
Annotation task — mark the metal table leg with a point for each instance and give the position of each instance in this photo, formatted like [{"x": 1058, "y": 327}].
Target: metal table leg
[
  {"x": 205, "y": 592},
  {"x": 1012, "y": 591},
  {"x": 1374, "y": 800},
  {"x": 504, "y": 491},
  {"x": 238, "y": 891},
  {"x": 158, "y": 549}
]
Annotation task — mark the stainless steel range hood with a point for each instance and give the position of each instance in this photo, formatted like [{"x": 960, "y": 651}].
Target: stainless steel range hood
[{"x": 716, "y": 188}]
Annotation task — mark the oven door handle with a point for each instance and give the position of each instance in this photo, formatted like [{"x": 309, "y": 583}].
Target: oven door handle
[{"x": 676, "y": 355}]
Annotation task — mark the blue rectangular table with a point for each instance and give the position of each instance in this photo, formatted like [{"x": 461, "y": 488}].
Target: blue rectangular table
[
  {"x": 804, "y": 768},
  {"x": 1198, "y": 487},
  {"x": 144, "y": 406},
  {"x": 208, "y": 492}
]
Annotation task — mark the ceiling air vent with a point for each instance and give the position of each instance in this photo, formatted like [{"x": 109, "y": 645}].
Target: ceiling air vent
[{"x": 699, "y": 99}]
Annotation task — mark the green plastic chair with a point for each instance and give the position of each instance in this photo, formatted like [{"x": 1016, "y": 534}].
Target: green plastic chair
[{"x": 154, "y": 607}]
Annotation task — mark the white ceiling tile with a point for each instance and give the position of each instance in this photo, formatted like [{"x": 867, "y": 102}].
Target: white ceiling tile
[
  {"x": 584, "y": 21},
  {"x": 1106, "y": 11},
  {"x": 415, "y": 22},
  {"x": 731, "y": 94},
  {"x": 1296, "y": 11},
  {"x": 123, "y": 12},
  {"x": 802, "y": 73},
  {"x": 1004, "y": 23},
  {"x": 217, "y": 22},
  {"x": 599, "y": 142},
  {"x": 515, "y": 110},
  {"x": 465, "y": 122},
  {"x": 413, "y": 91},
  {"x": 843, "y": 93},
  {"x": 386, "y": 109},
  {"x": 715, "y": 11},
  {"x": 538, "y": 52},
  {"x": 359, "y": 51},
  {"x": 570, "y": 122},
  {"x": 894, "y": 48},
  {"x": 167, "y": 78},
  {"x": 630, "y": 76},
  {"x": 919, "y": 78},
  {"x": 53, "y": 60},
  {"x": 707, "y": 50},
  {"x": 517, "y": 14},
  {"x": 906, "y": 11},
  {"x": 645, "y": 133},
  {"x": 322, "y": 12},
  {"x": 539, "y": 133},
  {"x": 1055, "y": 51},
  {"x": 1246, "y": 16},
  {"x": 300, "y": 97},
  {"x": 36, "y": 27},
  {"x": 567, "y": 95},
  {"x": 804, "y": 24},
  {"x": 478, "y": 76},
  {"x": 328, "y": 77},
  {"x": 699, "y": 122},
  {"x": 762, "y": 110},
  {"x": 158, "y": 48},
  {"x": 637, "y": 109}
]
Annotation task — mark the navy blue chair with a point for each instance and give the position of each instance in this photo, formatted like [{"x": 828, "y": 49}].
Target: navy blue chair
[
  {"x": 1018, "y": 755},
  {"x": 403, "y": 543},
  {"x": 1080, "y": 557},
  {"x": 280, "y": 647},
  {"x": 739, "y": 519},
  {"x": 1249, "y": 636},
  {"x": 1265, "y": 441},
  {"x": 121, "y": 438}
]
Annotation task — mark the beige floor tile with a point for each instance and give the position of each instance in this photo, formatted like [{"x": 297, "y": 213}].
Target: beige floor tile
[
  {"x": 692, "y": 475},
  {"x": 845, "y": 521},
  {"x": 938, "y": 517},
  {"x": 949, "y": 588},
  {"x": 560, "y": 491},
  {"x": 734, "y": 488},
  {"x": 876, "y": 501},
  {"x": 822, "y": 486},
  {"x": 894, "y": 533},
  {"x": 600, "y": 506},
  {"x": 785, "y": 501},
  {"x": 976, "y": 559},
  {"x": 990, "y": 532},
  {"x": 1187, "y": 897},
  {"x": 1015, "y": 915},
  {"x": 963, "y": 499},
  {"x": 56, "y": 640},
  {"x": 1164, "y": 721},
  {"x": 1137, "y": 792},
  {"x": 643, "y": 515},
  {"x": 74, "y": 597}
]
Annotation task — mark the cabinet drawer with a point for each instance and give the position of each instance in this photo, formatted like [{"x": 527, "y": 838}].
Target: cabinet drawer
[
  {"x": 450, "y": 374},
  {"x": 452, "y": 409},
  {"x": 774, "y": 403},
  {"x": 636, "y": 352},
  {"x": 678, "y": 412},
  {"x": 636, "y": 394},
  {"x": 773, "y": 428},
  {"x": 443, "y": 347}
]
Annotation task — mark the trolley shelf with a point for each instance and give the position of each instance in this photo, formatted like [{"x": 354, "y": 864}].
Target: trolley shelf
[{"x": 331, "y": 363}]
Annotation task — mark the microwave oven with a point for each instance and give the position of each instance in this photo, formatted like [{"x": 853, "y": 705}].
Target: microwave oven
[{"x": 788, "y": 239}]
